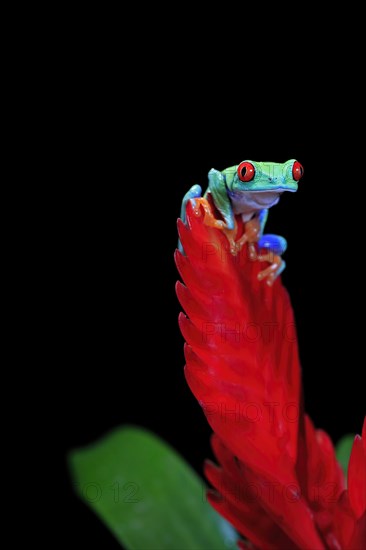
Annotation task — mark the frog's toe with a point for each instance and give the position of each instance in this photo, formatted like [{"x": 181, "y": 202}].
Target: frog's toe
[
  {"x": 273, "y": 271},
  {"x": 274, "y": 274}
]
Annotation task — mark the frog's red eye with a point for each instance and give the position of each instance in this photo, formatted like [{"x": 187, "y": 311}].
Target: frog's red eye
[
  {"x": 246, "y": 171},
  {"x": 297, "y": 171}
]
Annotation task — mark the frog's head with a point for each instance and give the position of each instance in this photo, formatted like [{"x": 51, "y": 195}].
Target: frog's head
[{"x": 264, "y": 182}]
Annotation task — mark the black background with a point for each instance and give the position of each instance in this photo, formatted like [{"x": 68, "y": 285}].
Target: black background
[{"x": 126, "y": 163}]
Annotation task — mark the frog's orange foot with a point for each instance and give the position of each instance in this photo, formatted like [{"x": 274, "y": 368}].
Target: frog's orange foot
[
  {"x": 230, "y": 234},
  {"x": 250, "y": 237},
  {"x": 209, "y": 219},
  {"x": 252, "y": 252},
  {"x": 236, "y": 246},
  {"x": 272, "y": 271}
]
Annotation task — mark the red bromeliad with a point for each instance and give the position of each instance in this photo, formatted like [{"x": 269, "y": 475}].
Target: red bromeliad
[{"x": 278, "y": 481}]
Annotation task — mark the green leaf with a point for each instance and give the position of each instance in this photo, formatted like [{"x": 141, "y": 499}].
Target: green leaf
[
  {"x": 147, "y": 495},
  {"x": 343, "y": 451}
]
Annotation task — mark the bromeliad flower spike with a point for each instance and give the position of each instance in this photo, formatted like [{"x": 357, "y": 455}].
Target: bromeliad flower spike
[{"x": 278, "y": 481}]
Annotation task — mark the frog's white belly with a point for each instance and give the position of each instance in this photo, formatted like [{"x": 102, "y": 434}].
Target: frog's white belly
[{"x": 248, "y": 202}]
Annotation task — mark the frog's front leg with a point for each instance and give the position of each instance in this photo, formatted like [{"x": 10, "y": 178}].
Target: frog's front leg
[
  {"x": 208, "y": 219},
  {"x": 195, "y": 196},
  {"x": 252, "y": 233},
  {"x": 250, "y": 236},
  {"x": 217, "y": 194}
]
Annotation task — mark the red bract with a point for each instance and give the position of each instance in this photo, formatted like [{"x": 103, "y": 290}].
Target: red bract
[{"x": 278, "y": 481}]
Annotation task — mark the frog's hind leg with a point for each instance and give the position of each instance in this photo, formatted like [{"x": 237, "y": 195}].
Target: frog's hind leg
[
  {"x": 273, "y": 243},
  {"x": 194, "y": 193},
  {"x": 275, "y": 246}
]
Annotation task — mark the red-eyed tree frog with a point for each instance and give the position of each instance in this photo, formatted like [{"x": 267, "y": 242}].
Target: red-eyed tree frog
[{"x": 247, "y": 190}]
